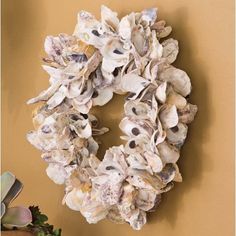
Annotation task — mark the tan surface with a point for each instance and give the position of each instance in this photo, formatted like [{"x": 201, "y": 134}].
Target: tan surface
[
  {"x": 16, "y": 233},
  {"x": 203, "y": 204}
]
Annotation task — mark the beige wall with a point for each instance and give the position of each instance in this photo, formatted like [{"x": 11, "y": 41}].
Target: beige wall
[{"x": 203, "y": 204}]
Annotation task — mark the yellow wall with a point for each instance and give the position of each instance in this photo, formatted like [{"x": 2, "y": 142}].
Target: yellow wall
[{"x": 203, "y": 204}]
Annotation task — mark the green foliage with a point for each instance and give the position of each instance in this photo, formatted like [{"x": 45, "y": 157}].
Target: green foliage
[{"x": 39, "y": 226}]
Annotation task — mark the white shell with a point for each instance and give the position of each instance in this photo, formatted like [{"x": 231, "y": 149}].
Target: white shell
[
  {"x": 170, "y": 50},
  {"x": 132, "y": 128},
  {"x": 177, "y": 134},
  {"x": 169, "y": 116},
  {"x": 168, "y": 153},
  {"x": 103, "y": 57},
  {"x": 176, "y": 99},
  {"x": 144, "y": 180},
  {"x": 187, "y": 113},
  {"x": 104, "y": 96},
  {"x": 156, "y": 50},
  {"x": 136, "y": 109},
  {"x": 56, "y": 173},
  {"x": 146, "y": 199},
  {"x": 161, "y": 30},
  {"x": 109, "y": 18},
  {"x": 133, "y": 83},
  {"x": 126, "y": 25},
  {"x": 161, "y": 92},
  {"x": 154, "y": 161},
  {"x": 178, "y": 79},
  {"x": 74, "y": 199},
  {"x": 149, "y": 15}
]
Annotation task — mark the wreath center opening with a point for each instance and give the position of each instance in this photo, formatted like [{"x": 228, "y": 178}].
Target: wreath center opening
[{"x": 110, "y": 116}]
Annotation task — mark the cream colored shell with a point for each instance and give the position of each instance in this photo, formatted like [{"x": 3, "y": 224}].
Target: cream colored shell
[{"x": 123, "y": 56}]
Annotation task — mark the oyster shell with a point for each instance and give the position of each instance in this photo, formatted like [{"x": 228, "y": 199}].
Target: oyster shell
[
  {"x": 146, "y": 199},
  {"x": 133, "y": 83},
  {"x": 170, "y": 50},
  {"x": 177, "y": 134},
  {"x": 156, "y": 49},
  {"x": 168, "y": 153},
  {"x": 178, "y": 79},
  {"x": 176, "y": 99},
  {"x": 102, "y": 96},
  {"x": 57, "y": 173},
  {"x": 161, "y": 92},
  {"x": 162, "y": 31},
  {"x": 109, "y": 18},
  {"x": 102, "y": 57},
  {"x": 169, "y": 116},
  {"x": 187, "y": 113}
]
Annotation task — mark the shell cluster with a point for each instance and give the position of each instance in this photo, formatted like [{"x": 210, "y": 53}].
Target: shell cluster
[{"x": 123, "y": 56}]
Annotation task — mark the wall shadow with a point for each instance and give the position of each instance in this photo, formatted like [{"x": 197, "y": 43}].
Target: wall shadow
[{"x": 193, "y": 162}]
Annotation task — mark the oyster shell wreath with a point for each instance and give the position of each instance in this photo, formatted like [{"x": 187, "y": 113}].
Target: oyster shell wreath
[{"x": 86, "y": 68}]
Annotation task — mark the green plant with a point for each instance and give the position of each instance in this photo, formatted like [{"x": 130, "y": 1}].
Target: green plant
[{"x": 39, "y": 226}]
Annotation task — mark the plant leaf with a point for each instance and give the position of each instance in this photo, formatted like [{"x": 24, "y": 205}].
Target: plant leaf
[
  {"x": 14, "y": 192},
  {"x": 17, "y": 216},
  {"x": 39, "y": 225},
  {"x": 7, "y": 181},
  {"x": 57, "y": 232},
  {"x": 3, "y": 209}
]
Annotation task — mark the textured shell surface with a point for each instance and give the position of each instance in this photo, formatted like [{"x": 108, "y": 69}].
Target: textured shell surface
[{"x": 128, "y": 56}]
